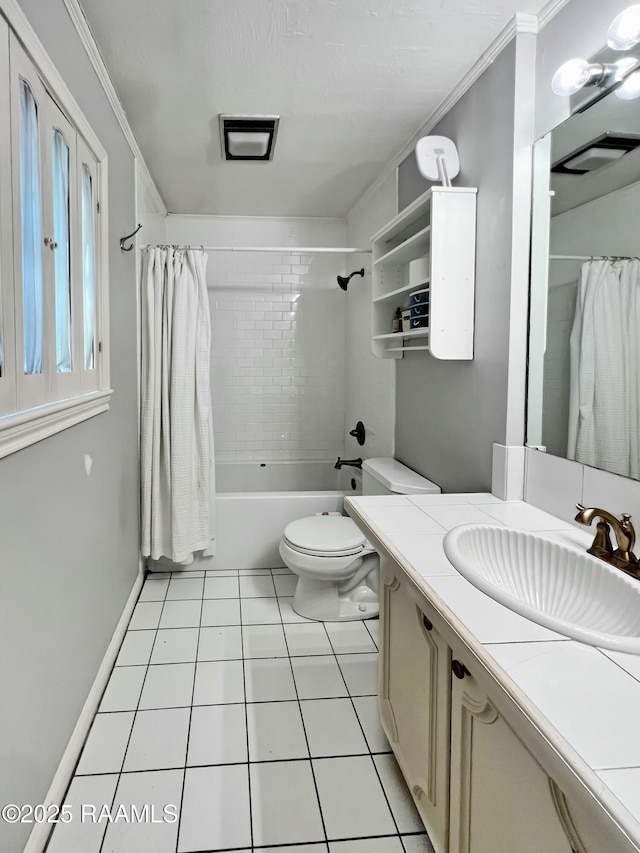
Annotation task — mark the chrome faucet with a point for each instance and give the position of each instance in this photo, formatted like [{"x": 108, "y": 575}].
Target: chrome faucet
[{"x": 623, "y": 557}]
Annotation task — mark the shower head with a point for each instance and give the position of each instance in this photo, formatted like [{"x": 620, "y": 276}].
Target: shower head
[{"x": 343, "y": 281}]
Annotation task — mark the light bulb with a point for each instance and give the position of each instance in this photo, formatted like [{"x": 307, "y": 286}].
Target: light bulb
[
  {"x": 624, "y": 31},
  {"x": 571, "y": 77},
  {"x": 630, "y": 89}
]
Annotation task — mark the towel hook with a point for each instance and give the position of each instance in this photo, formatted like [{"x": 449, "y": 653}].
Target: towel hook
[{"x": 124, "y": 248}]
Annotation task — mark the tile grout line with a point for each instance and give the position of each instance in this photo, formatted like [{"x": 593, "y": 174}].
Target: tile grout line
[
  {"x": 355, "y": 710},
  {"x": 282, "y": 626},
  {"x": 95, "y": 717},
  {"x": 135, "y": 713},
  {"x": 193, "y": 690},
  {"x": 366, "y": 740},
  {"x": 261, "y": 760},
  {"x": 304, "y": 729},
  {"x": 371, "y": 754},
  {"x": 246, "y": 715},
  {"x": 373, "y": 639}
]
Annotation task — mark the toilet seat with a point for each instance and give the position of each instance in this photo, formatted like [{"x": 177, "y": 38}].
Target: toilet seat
[
  {"x": 337, "y": 568},
  {"x": 325, "y": 536}
]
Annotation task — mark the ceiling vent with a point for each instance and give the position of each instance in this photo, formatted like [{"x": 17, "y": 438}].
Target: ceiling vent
[
  {"x": 594, "y": 155},
  {"x": 248, "y": 137}
]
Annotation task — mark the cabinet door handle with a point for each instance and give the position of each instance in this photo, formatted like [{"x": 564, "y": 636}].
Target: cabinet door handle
[
  {"x": 459, "y": 669},
  {"x": 428, "y": 624}
]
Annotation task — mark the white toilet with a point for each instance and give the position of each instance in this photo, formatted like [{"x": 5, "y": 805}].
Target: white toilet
[{"x": 337, "y": 568}]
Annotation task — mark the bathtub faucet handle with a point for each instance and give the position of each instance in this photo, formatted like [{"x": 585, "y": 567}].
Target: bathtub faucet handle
[
  {"x": 359, "y": 433},
  {"x": 355, "y": 463}
]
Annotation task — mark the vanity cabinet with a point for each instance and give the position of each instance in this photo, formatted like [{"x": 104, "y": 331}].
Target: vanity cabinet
[
  {"x": 501, "y": 799},
  {"x": 472, "y": 762},
  {"x": 414, "y": 700},
  {"x": 439, "y": 226}
]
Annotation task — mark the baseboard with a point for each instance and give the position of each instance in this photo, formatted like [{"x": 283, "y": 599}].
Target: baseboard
[{"x": 58, "y": 788}]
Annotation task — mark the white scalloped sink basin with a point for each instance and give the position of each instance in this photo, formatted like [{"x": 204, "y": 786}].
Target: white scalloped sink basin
[{"x": 567, "y": 591}]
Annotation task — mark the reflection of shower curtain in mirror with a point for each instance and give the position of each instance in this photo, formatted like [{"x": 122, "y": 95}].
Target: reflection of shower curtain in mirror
[{"x": 604, "y": 403}]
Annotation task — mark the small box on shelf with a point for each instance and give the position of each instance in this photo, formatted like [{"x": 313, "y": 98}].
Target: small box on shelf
[{"x": 419, "y": 297}]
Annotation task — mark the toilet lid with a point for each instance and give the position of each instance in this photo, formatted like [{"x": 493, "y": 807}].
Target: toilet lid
[{"x": 331, "y": 535}]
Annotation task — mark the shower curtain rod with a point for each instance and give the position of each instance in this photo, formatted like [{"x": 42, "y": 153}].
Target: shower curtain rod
[
  {"x": 593, "y": 258},
  {"x": 297, "y": 250}
]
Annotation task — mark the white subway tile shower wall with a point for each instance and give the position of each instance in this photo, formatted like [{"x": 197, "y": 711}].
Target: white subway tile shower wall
[{"x": 277, "y": 355}]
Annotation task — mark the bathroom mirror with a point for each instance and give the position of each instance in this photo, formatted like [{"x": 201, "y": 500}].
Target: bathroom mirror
[{"x": 584, "y": 347}]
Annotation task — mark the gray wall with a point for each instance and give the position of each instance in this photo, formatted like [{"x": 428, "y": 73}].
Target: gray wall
[
  {"x": 448, "y": 414},
  {"x": 371, "y": 388},
  {"x": 68, "y": 541}
]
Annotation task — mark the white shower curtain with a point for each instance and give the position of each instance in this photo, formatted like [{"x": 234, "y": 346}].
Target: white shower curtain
[
  {"x": 604, "y": 402},
  {"x": 176, "y": 419}
]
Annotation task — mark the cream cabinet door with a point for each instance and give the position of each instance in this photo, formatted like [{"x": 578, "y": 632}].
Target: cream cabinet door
[
  {"x": 502, "y": 801},
  {"x": 414, "y": 701}
]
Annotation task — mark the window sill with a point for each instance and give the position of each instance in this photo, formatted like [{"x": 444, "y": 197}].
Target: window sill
[{"x": 24, "y": 428}]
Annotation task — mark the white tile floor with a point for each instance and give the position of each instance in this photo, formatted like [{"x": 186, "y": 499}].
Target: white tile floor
[{"x": 260, "y": 727}]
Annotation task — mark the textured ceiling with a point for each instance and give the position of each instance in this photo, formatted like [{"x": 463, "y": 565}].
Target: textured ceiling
[{"x": 352, "y": 80}]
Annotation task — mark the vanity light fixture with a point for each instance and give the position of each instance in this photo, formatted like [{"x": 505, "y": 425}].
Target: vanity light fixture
[
  {"x": 624, "y": 31},
  {"x": 574, "y": 74},
  {"x": 577, "y": 73},
  {"x": 630, "y": 89},
  {"x": 248, "y": 137}
]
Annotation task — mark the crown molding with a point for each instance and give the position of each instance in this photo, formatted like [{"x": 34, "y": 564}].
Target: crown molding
[
  {"x": 89, "y": 43},
  {"x": 330, "y": 220},
  {"x": 549, "y": 11},
  {"x": 519, "y": 24}
]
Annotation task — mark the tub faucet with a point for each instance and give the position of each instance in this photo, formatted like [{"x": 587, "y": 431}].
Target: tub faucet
[
  {"x": 355, "y": 463},
  {"x": 623, "y": 557}
]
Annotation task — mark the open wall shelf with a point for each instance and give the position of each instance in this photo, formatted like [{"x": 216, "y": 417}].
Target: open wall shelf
[
  {"x": 407, "y": 288},
  {"x": 440, "y": 225}
]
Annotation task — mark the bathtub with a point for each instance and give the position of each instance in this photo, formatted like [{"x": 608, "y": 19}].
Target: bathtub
[
  {"x": 301, "y": 476},
  {"x": 256, "y": 500}
]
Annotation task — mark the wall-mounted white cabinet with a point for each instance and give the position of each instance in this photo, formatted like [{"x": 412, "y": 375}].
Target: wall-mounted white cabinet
[{"x": 439, "y": 226}]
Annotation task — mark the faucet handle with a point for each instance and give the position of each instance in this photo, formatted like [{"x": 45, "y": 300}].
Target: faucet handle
[
  {"x": 601, "y": 545},
  {"x": 627, "y": 541}
]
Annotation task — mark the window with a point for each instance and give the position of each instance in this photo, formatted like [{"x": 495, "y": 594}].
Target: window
[
  {"x": 53, "y": 305},
  {"x": 7, "y": 345},
  {"x": 88, "y": 270},
  {"x": 62, "y": 257},
  {"x": 31, "y": 227}
]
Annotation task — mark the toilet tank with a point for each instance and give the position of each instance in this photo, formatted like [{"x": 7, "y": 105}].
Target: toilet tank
[{"x": 386, "y": 476}]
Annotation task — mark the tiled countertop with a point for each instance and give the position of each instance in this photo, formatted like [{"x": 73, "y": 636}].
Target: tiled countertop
[{"x": 588, "y": 696}]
